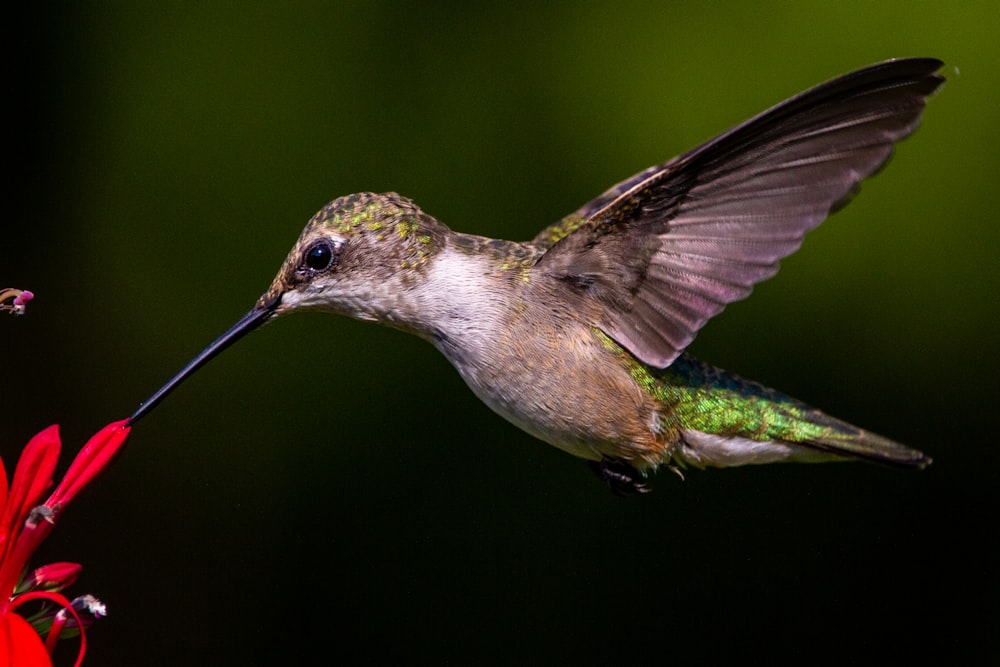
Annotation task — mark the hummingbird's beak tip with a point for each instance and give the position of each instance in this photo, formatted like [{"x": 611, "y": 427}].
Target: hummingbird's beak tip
[{"x": 136, "y": 416}]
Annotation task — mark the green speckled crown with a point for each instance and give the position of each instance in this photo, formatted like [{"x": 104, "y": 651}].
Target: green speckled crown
[
  {"x": 370, "y": 212},
  {"x": 394, "y": 224}
]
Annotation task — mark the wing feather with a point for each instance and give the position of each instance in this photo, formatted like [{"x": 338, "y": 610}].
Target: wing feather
[{"x": 665, "y": 250}]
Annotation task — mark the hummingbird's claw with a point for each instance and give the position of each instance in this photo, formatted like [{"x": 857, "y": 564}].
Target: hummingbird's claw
[{"x": 620, "y": 476}]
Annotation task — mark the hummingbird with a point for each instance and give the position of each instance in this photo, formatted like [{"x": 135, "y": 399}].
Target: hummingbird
[{"x": 578, "y": 336}]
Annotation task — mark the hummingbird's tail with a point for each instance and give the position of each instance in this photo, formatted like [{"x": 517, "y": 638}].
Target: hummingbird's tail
[
  {"x": 726, "y": 420},
  {"x": 799, "y": 434}
]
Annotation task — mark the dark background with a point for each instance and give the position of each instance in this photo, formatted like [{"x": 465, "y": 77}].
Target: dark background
[{"x": 330, "y": 486}]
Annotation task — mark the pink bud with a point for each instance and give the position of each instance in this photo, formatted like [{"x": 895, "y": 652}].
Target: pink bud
[{"x": 24, "y": 297}]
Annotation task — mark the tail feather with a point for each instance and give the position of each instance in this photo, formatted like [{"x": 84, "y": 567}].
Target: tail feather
[
  {"x": 861, "y": 444},
  {"x": 751, "y": 423}
]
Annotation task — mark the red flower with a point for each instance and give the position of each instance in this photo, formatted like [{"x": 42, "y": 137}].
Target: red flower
[{"x": 25, "y": 522}]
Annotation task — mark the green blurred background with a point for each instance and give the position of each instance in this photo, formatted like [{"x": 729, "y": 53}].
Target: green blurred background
[{"x": 331, "y": 486}]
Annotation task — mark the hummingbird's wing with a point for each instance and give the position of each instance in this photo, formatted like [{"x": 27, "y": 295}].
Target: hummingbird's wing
[{"x": 664, "y": 251}]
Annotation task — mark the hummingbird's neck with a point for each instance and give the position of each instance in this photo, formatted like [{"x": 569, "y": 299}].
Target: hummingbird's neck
[{"x": 462, "y": 298}]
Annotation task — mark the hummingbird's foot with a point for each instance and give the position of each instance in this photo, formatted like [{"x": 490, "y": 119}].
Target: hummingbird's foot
[{"x": 620, "y": 476}]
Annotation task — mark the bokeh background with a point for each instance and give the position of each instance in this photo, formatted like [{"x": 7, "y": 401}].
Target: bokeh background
[{"x": 331, "y": 488}]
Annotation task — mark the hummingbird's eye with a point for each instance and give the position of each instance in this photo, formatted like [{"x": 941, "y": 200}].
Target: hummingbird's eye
[{"x": 319, "y": 256}]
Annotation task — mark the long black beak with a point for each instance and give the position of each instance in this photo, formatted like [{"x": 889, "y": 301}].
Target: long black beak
[{"x": 252, "y": 320}]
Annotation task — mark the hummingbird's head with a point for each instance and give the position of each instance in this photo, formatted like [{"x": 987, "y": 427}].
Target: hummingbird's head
[
  {"x": 355, "y": 255},
  {"x": 358, "y": 256}
]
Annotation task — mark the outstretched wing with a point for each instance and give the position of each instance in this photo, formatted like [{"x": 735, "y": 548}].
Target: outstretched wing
[{"x": 664, "y": 251}]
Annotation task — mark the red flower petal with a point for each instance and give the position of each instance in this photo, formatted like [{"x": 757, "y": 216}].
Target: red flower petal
[
  {"x": 31, "y": 478},
  {"x": 20, "y": 645},
  {"x": 67, "y": 606},
  {"x": 95, "y": 455},
  {"x": 3, "y": 493}
]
